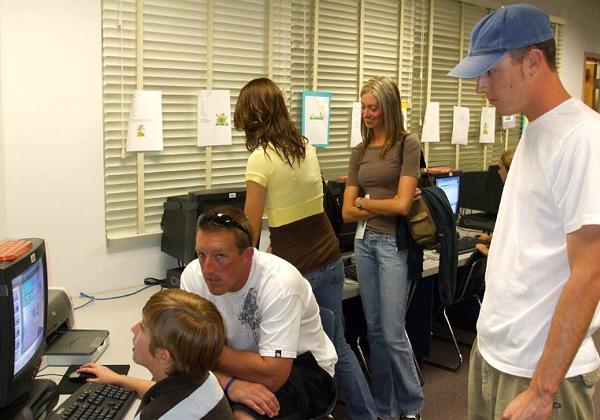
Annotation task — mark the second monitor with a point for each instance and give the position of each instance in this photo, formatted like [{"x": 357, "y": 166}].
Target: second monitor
[{"x": 450, "y": 184}]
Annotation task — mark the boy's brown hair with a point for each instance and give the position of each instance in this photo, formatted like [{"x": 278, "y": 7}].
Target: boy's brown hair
[{"x": 189, "y": 327}]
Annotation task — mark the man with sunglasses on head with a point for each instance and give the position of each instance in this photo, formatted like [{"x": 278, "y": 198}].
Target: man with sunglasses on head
[
  {"x": 534, "y": 356},
  {"x": 278, "y": 362}
]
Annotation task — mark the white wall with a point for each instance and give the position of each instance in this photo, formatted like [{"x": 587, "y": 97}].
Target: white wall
[
  {"x": 51, "y": 182},
  {"x": 51, "y": 101},
  {"x": 581, "y": 35},
  {"x": 2, "y": 156}
]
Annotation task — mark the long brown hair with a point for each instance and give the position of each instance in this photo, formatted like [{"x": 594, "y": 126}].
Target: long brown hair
[
  {"x": 261, "y": 112},
  {"x": 387, "y": 94}
]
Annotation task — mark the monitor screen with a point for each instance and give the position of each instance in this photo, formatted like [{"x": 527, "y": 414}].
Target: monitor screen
[
  {"x": 450, "y": 184},
  {"x": 28, "y": 304},
  {"x": 23, "y": 305}
]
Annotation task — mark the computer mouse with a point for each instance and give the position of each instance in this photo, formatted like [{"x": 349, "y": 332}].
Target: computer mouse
[{"x": 80, "y": 376}]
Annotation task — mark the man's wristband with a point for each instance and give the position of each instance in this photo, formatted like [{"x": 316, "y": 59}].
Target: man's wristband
[
  {"x": 228, "y": 385},
  {"x": 359, "y": 203}
]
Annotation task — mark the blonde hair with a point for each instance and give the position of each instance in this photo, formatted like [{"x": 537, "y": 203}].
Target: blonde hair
[
  {"x": 263, "y": 115},
  {"x": 387, "y": 94},
  {"x": 189, "y": 327},
  {"x": 506, "y": 158}
]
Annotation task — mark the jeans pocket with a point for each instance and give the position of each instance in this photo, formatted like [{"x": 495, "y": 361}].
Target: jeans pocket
[{"x": 389, "y": 240}]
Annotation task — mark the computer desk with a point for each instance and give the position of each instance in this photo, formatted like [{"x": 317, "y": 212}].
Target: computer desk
[
  {"x": 118, "y": 315},
  {"x": 420, "y": 312},
  {"x": 430, "y": 268}
]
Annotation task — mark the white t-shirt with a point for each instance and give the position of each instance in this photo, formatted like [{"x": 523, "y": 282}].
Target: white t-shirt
[
  {"x": 275, "y": 314},
  {"x": 551, "y": 190}
]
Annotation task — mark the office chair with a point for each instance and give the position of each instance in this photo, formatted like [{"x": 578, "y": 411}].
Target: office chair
[
  {"x": 328, "y": 322},
  {"x": 469, "y": 285}
]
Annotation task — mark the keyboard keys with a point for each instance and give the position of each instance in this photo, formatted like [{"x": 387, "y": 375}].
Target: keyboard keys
[{"x": 95, "y": 401}]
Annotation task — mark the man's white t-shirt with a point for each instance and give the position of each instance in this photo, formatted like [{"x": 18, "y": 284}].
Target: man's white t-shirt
[
  {"x": 552, "y": 189},
  {"x": 275, "y": 314}
]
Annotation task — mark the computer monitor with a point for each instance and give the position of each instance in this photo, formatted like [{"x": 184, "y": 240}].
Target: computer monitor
[
  {"x": 493, "y": 190},
  {"x": 472, "y": 190},
  {"x": 450, "y": 184},
  {"x": 181, "y": 212},
  {"x": 23, "y": 306}
]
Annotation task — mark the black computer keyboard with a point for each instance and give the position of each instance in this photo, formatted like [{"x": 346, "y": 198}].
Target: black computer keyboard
[
  {"x": 350, "y": 272},
  {"x": 96, "y": 401},
  {"x": 467, "y": 244}
]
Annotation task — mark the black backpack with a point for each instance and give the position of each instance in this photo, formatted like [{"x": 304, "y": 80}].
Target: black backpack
[{"x": 332, "y": 205}]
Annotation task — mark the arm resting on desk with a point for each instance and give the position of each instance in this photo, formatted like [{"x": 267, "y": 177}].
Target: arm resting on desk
[
  {"x": 252, "y": 394},
  {"x": 105, "y": 375}
]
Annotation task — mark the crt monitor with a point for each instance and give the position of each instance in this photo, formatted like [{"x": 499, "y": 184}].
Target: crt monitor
[
  {"x": 23, "y": 305},
  {"x": 181, "y": 212},
  {"x": 450, "y": 184}
]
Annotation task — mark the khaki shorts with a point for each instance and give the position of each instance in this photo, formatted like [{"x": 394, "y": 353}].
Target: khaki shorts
[{"x": 490, "y": 391}]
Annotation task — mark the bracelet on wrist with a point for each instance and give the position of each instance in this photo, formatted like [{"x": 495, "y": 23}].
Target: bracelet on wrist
[
  {"x": 359, "y": 202},
  {"x": 228, "y": 385}
]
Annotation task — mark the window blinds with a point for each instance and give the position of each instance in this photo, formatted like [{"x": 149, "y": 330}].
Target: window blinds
[{"x": 328, "y": 45}]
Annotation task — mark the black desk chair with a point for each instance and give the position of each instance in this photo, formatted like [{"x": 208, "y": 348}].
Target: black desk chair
[
  {"x": 469, "y": 285},
  {"x": 328, "y": 322}
]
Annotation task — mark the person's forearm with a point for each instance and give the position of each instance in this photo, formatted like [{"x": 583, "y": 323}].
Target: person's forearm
[
  {"x": 570, "y": 323},
  {"x": 388, "y": 206},
  {"x": 252, "y": 367},
  {"x": 352, "y": 214},
  {"x": 140, "y": 386}
]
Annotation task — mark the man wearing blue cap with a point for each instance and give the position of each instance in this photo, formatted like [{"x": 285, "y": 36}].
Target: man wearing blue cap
[{"x": 534, "y": 356}]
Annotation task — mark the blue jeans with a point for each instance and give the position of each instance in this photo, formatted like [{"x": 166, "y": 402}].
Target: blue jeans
[
  {"x": 383, "y": 284},
  {"x": 327, "y": 283}
]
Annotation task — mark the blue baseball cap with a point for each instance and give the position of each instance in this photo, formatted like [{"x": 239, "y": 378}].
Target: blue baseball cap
[{"x": 508, "y": 28}]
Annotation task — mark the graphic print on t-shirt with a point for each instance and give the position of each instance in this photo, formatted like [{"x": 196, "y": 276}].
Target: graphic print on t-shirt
[{"x": 249, "y": 316}]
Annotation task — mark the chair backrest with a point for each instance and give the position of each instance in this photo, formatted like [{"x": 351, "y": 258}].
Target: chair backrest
[
  {"x": 472, "y": 280},
  {"x": 328, "y": 321}
]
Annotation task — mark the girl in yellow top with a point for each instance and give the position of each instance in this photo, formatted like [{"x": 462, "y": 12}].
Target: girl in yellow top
[{"x": 283, "y": 177}]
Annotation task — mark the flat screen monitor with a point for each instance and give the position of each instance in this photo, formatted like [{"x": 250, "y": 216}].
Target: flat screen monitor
[
  {"x": 23, "y": 305},
  {"x": 472, "y": 190},
  {"x": 493, "y": 190},
  {"x": 450, "y": 184},
  {"x": 181, "y": 212}
]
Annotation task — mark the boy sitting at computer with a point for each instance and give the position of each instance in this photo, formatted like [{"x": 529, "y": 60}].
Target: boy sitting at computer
[{"x": 178, "y": 340}]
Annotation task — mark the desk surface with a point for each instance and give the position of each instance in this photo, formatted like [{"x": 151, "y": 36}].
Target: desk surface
[
  {"x": 430, "y": 267},
  {"x": 117, "y": 316}
]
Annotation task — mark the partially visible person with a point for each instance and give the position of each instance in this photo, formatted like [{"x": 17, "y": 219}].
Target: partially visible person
[
  {"x": 283, "y": 175},
  {"x": 278, "y": 361},
  {"x": 386, "y": 166},
  {"x": 503, "y": 167},
  {"x": 178, "y": 340},
  {"x": 534, "y": 357},
  {"x": 504, "y": 163}
]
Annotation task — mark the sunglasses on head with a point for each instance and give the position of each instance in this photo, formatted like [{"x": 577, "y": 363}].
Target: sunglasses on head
[{"x": 223, "y": 220}]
